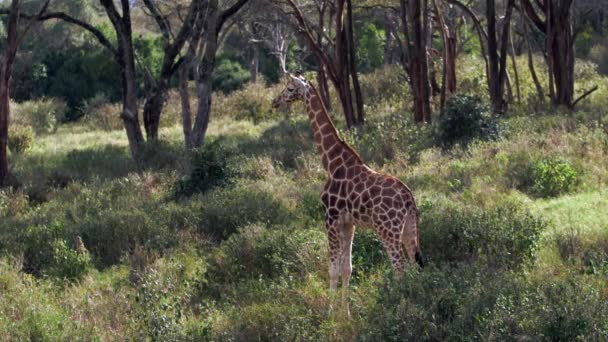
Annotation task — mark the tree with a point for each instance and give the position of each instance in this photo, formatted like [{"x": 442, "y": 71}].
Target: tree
[
  {"x": 13, "y": 38},
  {"x": 200, "y": 57},
  {"x": 414, "y": 19},
  {"x": 556, "y": 24},
  {"x": 173, "y": 43},
  {"x": 340, "y": 66},
  {"x": 448, "y": 35}
]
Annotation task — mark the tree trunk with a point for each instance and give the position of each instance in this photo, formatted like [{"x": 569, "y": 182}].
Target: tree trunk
[
  {"x": 448, "y": 87},
  {"x": 559, "y": 43},
  {"x": 125, "y": 56},
  {"x": 350, "y": 42},
  {"x": 539, "y": 88},
  {"x": 205, "y": 70},
  {"x": 418, "y": 63},
  {"x": 6, "y": 67},
  {"x": 561, "y": 52}
]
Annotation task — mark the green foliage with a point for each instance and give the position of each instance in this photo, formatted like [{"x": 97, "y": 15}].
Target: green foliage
[
  {"x": 229, "y": 76},
  {"x": 464, "y": 119},
  {"x": 385, "y": 138},
  {"x": 553, "y": 177},
  {"x": 368, "y": 254},
  {"x": 42, "y": 115},
  {"x": 210, "y": 166},
  {"x": 385, "y": 86},
  {"x": 253, "y": 102},
  {"x": 370, "y": 48},
  {"x": 46, "y": 252},
  {"x": 227, "y": 210},
  {"x": 469, "y": 304},
  {"x": 158, "y": 311},
  {"x": 505, "y": 236},
  {"x": 256, "y": 252},
  {"x": 20, "y": 138}
]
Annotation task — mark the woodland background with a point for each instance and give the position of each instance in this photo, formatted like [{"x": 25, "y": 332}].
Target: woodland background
[{"x": 150, "y": 192}]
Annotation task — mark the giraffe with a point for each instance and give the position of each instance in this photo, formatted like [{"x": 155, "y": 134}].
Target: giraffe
[{"x": 354, "y": 194}]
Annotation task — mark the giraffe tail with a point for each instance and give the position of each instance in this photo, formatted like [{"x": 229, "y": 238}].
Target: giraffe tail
[{"x": 419, "y": 258}]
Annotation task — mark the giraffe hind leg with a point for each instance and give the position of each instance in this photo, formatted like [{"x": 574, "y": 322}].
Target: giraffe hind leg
[{"x": 409, "y": 237}]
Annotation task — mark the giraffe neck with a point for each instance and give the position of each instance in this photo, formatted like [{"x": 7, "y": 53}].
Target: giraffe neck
[{"x": 334, "y": 152}]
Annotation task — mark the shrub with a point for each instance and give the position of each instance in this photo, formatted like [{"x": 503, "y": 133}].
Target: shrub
[
  {"x": 253, "y": 102},
  {"x": 42, "y": 115},
  {"x": 256, "y": 252},
  {"x": 505, "y": 236},
  {"x": 383, "y": 139},
  {"x": 210, "y": 166},
  {"x": 46, "y": 252},
  {"x": 468, "y": 304},
  {"x": 99, "y": 113},
  {"x": 225, "y": 211},
  {"x": 20, "y": 138},
  {"x": 552, "y": 177},
  {"x": 229, "y": 76},
  {"x": 466, "y": 118},
  {"x": 368, "y": 253}
]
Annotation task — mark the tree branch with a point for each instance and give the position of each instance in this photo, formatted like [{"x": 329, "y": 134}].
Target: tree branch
[
  {"x": 585, "y": 94},
  {"x": 69, "y": 19},
  {"x": 230, "y": 11}
]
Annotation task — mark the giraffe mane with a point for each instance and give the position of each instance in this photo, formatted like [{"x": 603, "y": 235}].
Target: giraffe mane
[{"x": 344, "y": 143}]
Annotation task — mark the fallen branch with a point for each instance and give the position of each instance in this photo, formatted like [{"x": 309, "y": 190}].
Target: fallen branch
[{"x": 585, "y": 94}]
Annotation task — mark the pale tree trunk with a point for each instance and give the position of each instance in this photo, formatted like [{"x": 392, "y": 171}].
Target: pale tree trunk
[
  {"x": 448, "y": 36},
  {"x": 126, "y": 61},
  {"x": 203, "y": 79}
]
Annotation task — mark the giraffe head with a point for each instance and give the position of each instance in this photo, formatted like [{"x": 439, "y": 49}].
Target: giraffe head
[{"x": 294, "y": 91}]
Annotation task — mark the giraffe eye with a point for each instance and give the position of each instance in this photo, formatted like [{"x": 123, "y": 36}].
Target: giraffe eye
[{"x": 290, "y": 89}]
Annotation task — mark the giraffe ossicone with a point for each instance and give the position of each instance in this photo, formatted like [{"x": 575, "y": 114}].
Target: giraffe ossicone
[{"x": 354, "y": 194}]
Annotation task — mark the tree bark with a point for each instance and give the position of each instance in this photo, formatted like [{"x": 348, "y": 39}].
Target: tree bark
[
  {"x": 559, "y": 45},
  {"x": 6, "y": 67},
  {"x": 340, "y": 67},
  {"x": 157, "y": 94},
  {"x": 417, "y": 65},
  {"x": 448, "y": 87},
  {"x": 126, "y": 60}
]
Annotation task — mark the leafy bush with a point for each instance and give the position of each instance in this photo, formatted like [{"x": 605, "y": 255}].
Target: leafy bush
[
  {"x": 99, "y": 113},
  {"x": 229, "y": 76},
  {"x": 469, "y": 304},
  {"x": 466, "y": 118},
  {"x": 370, "y": 48},
  {"x": 368, "y": 253},
  {"x": 20, "y": 138},
  {"x": 47, "y": 253},
  {"x": 505, "y": 236},
  {"x": 210, "y": 166},
  {"x": 253, "y": 102},
  {"x": 226, "y": 210},
  {"x": 383, "y": 139},
  {"x": 385, "y": 85},
  {"x": 552, "y": 177},
  {"x": 42, "y": 115},
  {"x": 256, "y": 252}
]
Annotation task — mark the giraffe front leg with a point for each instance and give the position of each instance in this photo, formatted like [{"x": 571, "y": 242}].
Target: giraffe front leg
[
  {"x": 348, "y": 233},
  {"x": 333, "y": 236}
]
